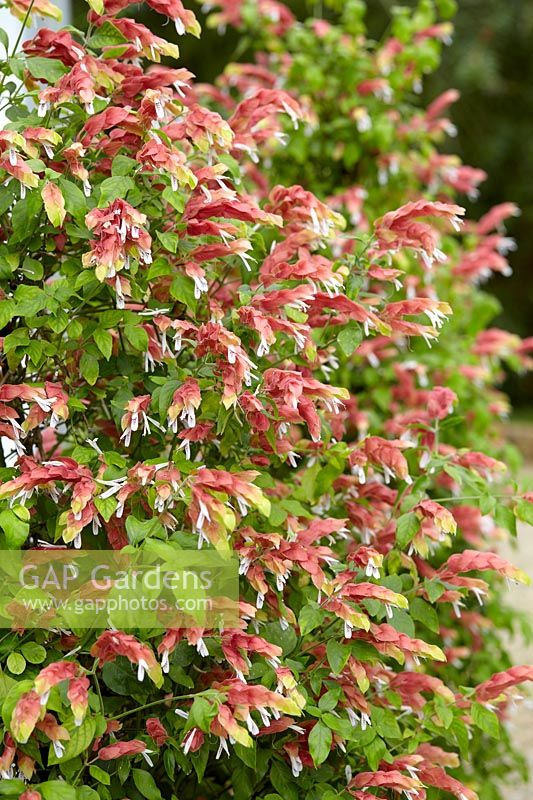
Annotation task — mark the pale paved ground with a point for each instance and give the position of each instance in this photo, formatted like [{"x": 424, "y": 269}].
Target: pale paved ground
[{"x": 521, "y": 597}]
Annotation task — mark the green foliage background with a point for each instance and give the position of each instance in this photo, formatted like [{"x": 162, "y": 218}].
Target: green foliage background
[{"x": 491, "y": 63}]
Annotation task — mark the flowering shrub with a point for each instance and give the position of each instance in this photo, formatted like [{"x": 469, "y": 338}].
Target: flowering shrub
[
  {"x": 202, "y": 349},
  {"x": 382, "y": 150}
]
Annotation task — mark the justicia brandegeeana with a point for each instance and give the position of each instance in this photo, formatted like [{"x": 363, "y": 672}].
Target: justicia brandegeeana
[{"x": 246, "y": 316}]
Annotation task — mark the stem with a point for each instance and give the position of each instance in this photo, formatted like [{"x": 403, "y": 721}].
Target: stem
[
  {"x": 155, "y": 703},
  {"x": 98, "y": 691},
  {"x": 21, "y": 31},
  {"x": 460, "y": 498}
]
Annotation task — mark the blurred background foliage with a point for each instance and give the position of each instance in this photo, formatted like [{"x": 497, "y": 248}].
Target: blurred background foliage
[{"x": 491, "y": 62}]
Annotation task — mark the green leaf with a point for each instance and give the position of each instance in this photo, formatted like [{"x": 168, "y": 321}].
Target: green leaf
[
  {"x": 434, "y": 588},
  {"x": 295, "y": 507},
  {"x": 114, "y": 459},
  {"x": 75, "y": 200},
  {"x": 159, "y": 268},
  {"x": 329, "y": 700},
  {"x": 81, "y": 737},
  {"x": 487, "y": 504},
  {"x": 137, "y": 337},
  {"x": 425, "y": 613},
  {"x": 118, "y": 677},
  {"x": 169, "y": 241},
  {"x": 248, "y": 755},
  {"x": 86, "y": 793},
  {"x": 505, "y": 518},
  {"x": 138, "y": 530},
  {"x": 106, "y": 506},
  {"x": 285, "y": 638},
  {"x": 278, "y": 515},
  {"x": 33, "y": 652},
  {"x": 111, "y": 188},
  {"x": 6, "y": 683},
  {"x": 443, "y": 712},
  {"x": 11, "y": 787},
  {"x": 57, "y": 790},
  {"x": 202, "y": 713},
  {"x": 486, "y": 720},
  {"x": 16, "y": 663},
  {"x": 104, "y": 342},
  {"x": 175, "y": 199},
  {"x": 25, "y": 216},
  {"x": 384, "y": 721},
  {"x": 32, "y": 269},
  {"x": 182, "y": 289},
  {"x": 338, "y": 654},
  {"x": 374, "y": 752},
  {"x": 48, "y": 69},
  {"x": 199, "y": 762},
  {"x": 106, "y": 35},
  {"x": 320, "y": 740},
  {"x": 7, "y": 311},
  {"x": 8, "y": 264},
  {"x": 407, "y": 526},
  {"x": 15, "y": 527},
  {"x": 447, "y": 8},
  {"x": 19, "y": 337},
  {"x": 163, "y": 396},
  {"x": 123, "y": 165},
  {"x": 462, "y": 737},
  {"x": 29, "y": 300},
  {"x": 309, "y": 618},
  {"x": 89, "y": 368},
  {"x": 232, "y": 164},
  {"x": 524, "y": 511},
  {"x": 6, "y": 197},
  {"x": 282, "y": 781},
  {"x": 169, "y": 761},
  {"x": 100, "y": 775},
  {"x": 350, "y": 338},
  {"x": 244, "y": 781},
  {"x": 402, "y": 622},
  {"x": 146, "y": 784},
  {"x": 17, "y": 65}
]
